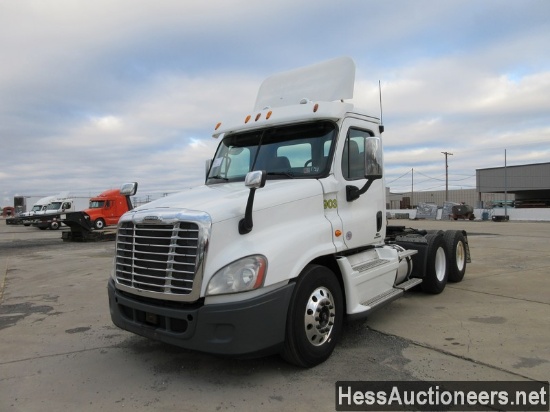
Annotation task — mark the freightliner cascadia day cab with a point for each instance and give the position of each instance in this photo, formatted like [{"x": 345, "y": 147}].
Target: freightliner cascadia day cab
[{"x": 286, "y": 238}]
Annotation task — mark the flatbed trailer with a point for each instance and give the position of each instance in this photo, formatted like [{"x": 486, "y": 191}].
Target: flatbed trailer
[{"x": 82, "y": 229}]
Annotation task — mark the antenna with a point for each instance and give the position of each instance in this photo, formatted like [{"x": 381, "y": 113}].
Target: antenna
[{"x": 381, "y": 125}]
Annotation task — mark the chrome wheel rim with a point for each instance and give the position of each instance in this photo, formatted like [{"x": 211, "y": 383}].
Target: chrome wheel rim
[{"x": 319, "y": 316}]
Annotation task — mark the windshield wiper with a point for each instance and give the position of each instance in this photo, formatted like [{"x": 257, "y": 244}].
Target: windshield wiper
[
  {"x": 225, "y": 179},
  {"x": 281, "y": 173}
]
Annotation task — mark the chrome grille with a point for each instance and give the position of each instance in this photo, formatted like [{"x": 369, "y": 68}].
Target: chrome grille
[{"x": 157, "y": 258}]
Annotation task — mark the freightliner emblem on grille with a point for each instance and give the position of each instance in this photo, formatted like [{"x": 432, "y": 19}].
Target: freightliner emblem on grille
[{"x": 151, "y": 219}]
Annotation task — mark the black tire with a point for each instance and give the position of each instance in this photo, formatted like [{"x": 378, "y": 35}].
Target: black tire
[
  {"x": 455, "y": 245},
  {"x": 99, "y": 224},
  {"x": 315, "y": 316},
  {"x": 55, "y": 225},
  {"x": 437, "y": 272}
]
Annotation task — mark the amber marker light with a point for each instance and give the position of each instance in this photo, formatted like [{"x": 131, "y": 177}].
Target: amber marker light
[
  {"x": 268, "y": 115},
  {"x": 218, "y": 126},
  {"x": 247, "y": 119},
  {"x": 337, "y": 233},
  {"x": 315, "y": 107},
  {"x": 258, "y": 117}
]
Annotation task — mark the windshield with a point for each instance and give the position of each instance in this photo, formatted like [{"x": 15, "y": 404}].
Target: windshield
[
  {"x": 295, "y": 151},
  {"x": 54, "y": 206},
  {"x": 36, "y": 208}
]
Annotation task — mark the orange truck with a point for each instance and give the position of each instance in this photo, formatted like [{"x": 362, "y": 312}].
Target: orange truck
[{"x": 107, "y": 208}]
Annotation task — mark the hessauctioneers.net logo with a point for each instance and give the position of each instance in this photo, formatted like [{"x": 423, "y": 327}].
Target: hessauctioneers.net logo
[{"x": 438, "y": 396}]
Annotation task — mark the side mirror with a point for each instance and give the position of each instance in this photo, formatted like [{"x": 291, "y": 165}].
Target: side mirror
[
  {"x": 373, "y": 168},
  {"x": 373, "y": 158},
  {"x": 253, "y": 180},
  {"x": 129, "y": 189}
]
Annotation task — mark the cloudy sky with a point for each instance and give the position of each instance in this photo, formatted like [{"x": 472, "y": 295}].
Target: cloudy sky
[{"x": 96, "y": 93}]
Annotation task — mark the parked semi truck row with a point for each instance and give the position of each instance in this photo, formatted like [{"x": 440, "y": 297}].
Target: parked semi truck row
[{"x": 96, "y": 212}]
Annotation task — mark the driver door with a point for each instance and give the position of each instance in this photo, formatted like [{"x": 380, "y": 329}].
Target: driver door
[{"x": 362, "y": 219}]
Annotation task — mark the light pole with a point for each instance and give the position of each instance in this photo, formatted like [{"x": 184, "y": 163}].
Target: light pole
[{"x": 446, "y": 176}]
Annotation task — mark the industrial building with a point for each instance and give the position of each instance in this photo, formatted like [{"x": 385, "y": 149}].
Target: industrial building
[
  {"x": 529, "y": 184},
  {"x": 472, "y": 197},
  {"x": 523, "y": 186}
]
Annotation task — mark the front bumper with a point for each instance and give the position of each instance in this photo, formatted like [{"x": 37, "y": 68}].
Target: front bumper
[{"x": 252, "y": 327}]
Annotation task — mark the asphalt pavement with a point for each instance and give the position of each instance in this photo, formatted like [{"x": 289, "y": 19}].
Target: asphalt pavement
[{"x": 60, "y": 351}]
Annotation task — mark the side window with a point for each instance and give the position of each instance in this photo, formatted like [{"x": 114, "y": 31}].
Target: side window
[{"x": 353, "y": 157}]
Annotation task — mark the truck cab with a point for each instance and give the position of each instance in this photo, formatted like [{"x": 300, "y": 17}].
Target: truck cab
[
  {"x": 106, "y": 208},
  {"x": 38, "y": 209},
  {"x": 285, "y": 239},
  {"x": 58, "y": 207}
]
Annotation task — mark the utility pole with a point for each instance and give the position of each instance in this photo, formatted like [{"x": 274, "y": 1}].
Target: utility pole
[
  {"x": 446, "y": 176},
  {"x": 412, "y": 187},
  {"x": 505, "y": 189}
]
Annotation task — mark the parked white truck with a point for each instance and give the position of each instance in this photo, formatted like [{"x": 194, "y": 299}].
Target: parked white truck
[
  {"x": 38, "y": 208},
  {"x": 287, "y": 237},
  {"x": 50, "y": 217}
]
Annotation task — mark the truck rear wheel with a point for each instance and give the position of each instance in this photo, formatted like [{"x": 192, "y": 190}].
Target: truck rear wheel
[
  {"x": 99, "y": 224},
  {"x": 437, "y": 272},
  {"x": 315, "y": 316},
  {"x": 54, "y": 225},
  {"x": 455, "y": 245}
]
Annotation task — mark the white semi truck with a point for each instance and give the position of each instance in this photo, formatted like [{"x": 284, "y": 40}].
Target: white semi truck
[
  {"x": 286, "y": 238},
  {"x": 38, "y": 208},
  {"x": 61, "y": 204}
]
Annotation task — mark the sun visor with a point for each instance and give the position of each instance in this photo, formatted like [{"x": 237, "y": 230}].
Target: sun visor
[{"x": 326, "y": 81}]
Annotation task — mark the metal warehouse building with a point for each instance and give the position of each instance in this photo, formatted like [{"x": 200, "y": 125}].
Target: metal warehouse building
[
  {"x": 529, "y": 184},
  {"x": 469, "y": 196},
  {"x": 523, "y": 186}
]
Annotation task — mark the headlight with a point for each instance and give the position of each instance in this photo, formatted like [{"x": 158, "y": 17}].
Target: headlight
[{"x": 244, "y": 274}]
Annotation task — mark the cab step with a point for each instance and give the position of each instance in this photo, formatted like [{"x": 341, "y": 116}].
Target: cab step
[
  {"x": 371, "y": 264},
  {"x": 409, "y": 284},
  {"x": 390, "y": 295},
  {"x": 385, "y": 297}
]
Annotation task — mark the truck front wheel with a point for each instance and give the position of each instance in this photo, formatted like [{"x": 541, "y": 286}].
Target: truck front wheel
[
  {"x": 99, "y": 224},
  {"x": 315, "y": 316}
]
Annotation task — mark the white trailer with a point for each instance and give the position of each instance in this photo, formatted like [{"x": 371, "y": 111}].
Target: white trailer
[{"x": 286, "y": 238}]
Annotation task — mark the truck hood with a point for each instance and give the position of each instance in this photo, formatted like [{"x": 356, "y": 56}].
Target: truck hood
[{"x": 226, "y": 201}]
